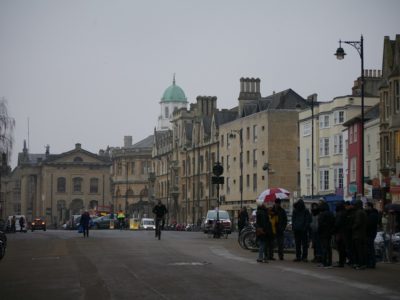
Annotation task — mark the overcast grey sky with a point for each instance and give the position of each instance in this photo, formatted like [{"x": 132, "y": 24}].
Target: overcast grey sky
[{"x": 92, "y": 71}]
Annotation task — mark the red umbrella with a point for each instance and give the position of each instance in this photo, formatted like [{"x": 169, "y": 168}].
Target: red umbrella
[{"x": 269, "y": 195}]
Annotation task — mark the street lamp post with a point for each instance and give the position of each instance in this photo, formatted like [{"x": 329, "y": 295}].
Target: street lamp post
[
  {"x": 312, "y": 98},
  {"x": 233, "y": 135},
  {"x": 359, "y": 46},
  {"x": 126, "y": 189}
]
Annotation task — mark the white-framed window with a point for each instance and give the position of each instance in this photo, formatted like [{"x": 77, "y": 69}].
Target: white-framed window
[
  {"x": 338, "y": 177},
  {"x": 308, "y": 185},
  {"x": 351, "y": 134},
  {"x": 308, "y": 157},
  {"x": 337, "y": 144},
  {"x": 368, "y": 168},
  {"x": 368, "y": 144},
  {"x": 254, "y": 157},
  {"x": 324, "y": 121},
  {"x": 355, "y": 133},
  {"x": 338, "y": 117},
  {"x": 353, "y": 169},
  {"x": 166, "y": 115},
  {"x": 255, "y": 133},
  {"x": 324, "y": 146},
  {"x": 307, "y": 129},
  {"x": 324, "y": 179}
]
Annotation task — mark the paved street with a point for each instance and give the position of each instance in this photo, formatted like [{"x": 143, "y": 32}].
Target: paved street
[{"x": 183, "y": 265}]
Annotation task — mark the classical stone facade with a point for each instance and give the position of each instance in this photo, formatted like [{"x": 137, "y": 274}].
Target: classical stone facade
[
  {"x": 131, "y": 168},
  {"x": 58, "y": 186}
]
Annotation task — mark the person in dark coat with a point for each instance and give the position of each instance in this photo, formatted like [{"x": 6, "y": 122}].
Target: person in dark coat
[
  {"x": 280, "y": 226},
  {"x": 84, "y": 222},
  {"x": 301, "y": 220},
  {"x": 316, "y": 243},
  {"x": 21, "y": 224},
  {"x": 348, "y": 236},
  {"x": 372, "y": 229},
  {"x": 243, "y": 218},
  {"x": 326, "y": 222},
  {"x": 263, "y": 231},
  {"x": 359, "y": 236},
  {"x": 340, "y": 233}
]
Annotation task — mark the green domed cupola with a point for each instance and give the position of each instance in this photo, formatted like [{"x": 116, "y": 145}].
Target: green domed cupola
[{"x": 174, "y": 94}]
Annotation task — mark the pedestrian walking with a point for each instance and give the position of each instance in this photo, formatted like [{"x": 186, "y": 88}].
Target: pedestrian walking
[
  {"x": 316, "y": 243},
  {"x": 301, "y": 220},
  {"x": 243, "y": 219},
  {"x": 263, "y": 231},
  {"x": 280, "y": 227},
  {"x": 326, "y": 222},
  {"x": 21, "y": 224},
  {"x": 359, "y": 236},
  {"x": 372, "y": 230},
  {"x": 121, "y": 219},
  {"x": 13, "y": 221},
  {"x": 340, "y": 233},
  {"x": 84, "y": 222}
]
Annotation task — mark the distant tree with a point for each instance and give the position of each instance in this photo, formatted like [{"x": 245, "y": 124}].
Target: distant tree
[{"x": 7, "y": 125}]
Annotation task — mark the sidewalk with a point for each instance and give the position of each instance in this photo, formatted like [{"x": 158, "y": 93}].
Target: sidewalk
[{"x": 384, "y": 275}]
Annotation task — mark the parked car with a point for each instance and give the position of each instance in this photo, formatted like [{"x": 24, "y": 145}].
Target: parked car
[
  {"x": 101, "y": 222},
  {"x": 73, "y": 222},
  {"x": 38, "y": 224},
  {"x": 211, "y": 218}
]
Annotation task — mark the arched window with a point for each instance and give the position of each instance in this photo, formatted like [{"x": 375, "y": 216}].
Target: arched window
[
  {"x": 166, "y": 112},
  {"x": 94, "y": 185},
  {"x": 78, "y": 159},
  {"x": 61, "y": 185},
  {"x": 77, "y": 182}
]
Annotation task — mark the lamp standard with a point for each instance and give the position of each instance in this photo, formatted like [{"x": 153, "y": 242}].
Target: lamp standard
[
  {"x": 126, "y": 189},
  {"x": 359, "y": 46},
  {"x": 233, "y": 135},
  {"x": 312, "y": 98}
]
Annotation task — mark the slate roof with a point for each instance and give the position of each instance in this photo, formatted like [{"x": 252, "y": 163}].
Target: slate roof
[{"x": 145, "y": 143}]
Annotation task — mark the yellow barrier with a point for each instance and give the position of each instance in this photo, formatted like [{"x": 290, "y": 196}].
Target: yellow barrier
[{"x": 134, "y": 224}]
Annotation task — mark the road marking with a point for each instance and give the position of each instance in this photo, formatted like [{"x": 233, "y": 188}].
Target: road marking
[
  {"x": 370, "y": 288},
  {"x": 46, "y": 258}
]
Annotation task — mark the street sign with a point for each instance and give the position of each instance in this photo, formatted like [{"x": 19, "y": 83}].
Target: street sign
[{"x": 218, "y": 169}]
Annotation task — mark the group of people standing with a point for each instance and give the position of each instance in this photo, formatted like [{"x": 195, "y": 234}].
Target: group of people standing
[
  {"x": 271, "y": 223},
  {"x": 351, "y": 230}
]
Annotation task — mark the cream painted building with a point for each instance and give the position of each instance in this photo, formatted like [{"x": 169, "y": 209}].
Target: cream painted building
[{"x": 329, "y": 144}]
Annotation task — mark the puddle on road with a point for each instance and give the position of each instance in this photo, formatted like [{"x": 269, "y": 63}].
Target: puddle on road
[{"x": 193, "y": 263}]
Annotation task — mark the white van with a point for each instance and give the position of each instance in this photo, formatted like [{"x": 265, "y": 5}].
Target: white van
[
  {"x": 17, "y": 226},
  {"x": 148, "y": 224}
]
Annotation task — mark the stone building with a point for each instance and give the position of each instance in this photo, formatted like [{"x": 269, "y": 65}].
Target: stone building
[
  {"x": 56, "y": 186},
  {"x": 131, "y": 168},
  {"x": 390, "y": 118},
  {"x": 259, "y": 149}
]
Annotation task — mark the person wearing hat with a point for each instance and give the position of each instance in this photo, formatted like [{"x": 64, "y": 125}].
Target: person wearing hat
[{"x": 280, "y": 226}]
